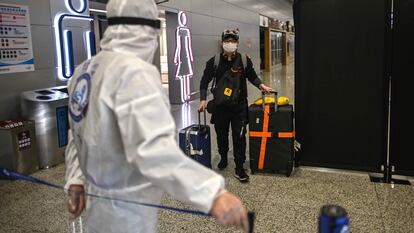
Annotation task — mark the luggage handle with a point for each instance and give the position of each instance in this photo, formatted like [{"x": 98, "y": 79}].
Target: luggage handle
[
  {"x": 200, "y": 129},
  {"x": 263, "y": 98},
  {"x": 199, "y": 119},
  {"x": 187, "y": 143}
]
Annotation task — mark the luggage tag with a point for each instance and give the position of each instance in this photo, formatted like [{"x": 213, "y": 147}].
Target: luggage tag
[{"x": 297, "y": 146}]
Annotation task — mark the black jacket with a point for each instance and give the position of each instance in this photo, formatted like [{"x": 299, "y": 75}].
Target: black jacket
[{"x": 223, "y": 66}]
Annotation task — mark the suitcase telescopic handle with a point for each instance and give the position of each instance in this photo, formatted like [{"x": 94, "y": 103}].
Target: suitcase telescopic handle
[
  {"x": 199, "y": 118},
  {"x": 263, "y": 97}
]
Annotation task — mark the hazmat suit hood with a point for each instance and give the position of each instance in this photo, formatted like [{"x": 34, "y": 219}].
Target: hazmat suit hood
[{"x": 132, "y": 39}]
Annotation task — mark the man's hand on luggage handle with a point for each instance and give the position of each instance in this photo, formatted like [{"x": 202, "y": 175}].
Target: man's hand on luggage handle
[
  {"x": 265, "y": 88},
  {"x": 202, "y": 106}
]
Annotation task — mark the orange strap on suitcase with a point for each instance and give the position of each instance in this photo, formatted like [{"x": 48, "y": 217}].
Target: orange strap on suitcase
[
  {"x": 286, "y": 134},
  {"x": 264, "y": 135}
]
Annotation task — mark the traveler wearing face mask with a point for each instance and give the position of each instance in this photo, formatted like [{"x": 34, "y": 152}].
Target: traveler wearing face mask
[
  {"x": 122, "y": 137},
  {"x": 230, "y": 102}
]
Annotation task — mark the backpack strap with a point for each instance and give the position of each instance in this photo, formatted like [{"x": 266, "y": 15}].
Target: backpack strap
[
  {"x": 216, "y": 63},
  {"x": 244, "y": 60},
  {"x": 215, "y": 66}
]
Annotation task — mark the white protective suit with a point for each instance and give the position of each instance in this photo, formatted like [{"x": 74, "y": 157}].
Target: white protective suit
[{"x": 122, "y": 141}]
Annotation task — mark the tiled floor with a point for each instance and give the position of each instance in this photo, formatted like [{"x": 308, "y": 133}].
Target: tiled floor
[{"x": 281, "y": 204}]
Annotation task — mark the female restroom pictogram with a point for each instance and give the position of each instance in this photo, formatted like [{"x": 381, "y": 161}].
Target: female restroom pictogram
[{"x": 183, "y": 57}]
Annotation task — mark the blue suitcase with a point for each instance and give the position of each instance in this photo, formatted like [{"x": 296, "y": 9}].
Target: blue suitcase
[{"x": 195, "y": 141}]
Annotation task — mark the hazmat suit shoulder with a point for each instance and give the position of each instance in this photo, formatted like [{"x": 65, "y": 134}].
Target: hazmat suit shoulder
[{"x": 137, "y": 78}]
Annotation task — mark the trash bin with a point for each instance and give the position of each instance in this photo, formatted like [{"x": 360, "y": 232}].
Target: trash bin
[
  {"x": 49, "y": 109},
  {"x": 18, "y": 148}
]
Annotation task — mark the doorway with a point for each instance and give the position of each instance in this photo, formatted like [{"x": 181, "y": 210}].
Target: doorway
[{"x": 262, "y": 48}]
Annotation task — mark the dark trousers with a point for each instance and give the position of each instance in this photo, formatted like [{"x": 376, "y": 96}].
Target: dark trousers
[{"x": 236, "y": 117}]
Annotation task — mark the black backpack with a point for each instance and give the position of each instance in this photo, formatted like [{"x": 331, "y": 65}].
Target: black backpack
[{"x": 227, "y": 90}]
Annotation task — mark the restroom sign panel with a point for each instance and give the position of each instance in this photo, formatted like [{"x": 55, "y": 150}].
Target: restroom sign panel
[{"x": 16, "y": 52}]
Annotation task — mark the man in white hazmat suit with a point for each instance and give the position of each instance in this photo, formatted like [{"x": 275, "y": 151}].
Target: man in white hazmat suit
[{"x": 122, "y": 136}]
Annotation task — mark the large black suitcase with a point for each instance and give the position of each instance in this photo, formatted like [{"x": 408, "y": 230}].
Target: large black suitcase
[
  {"x": 271, "y": 139},
  {"x": 195, "y": 142}
]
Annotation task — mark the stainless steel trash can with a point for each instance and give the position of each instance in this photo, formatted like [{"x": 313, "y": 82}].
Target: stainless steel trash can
[
  {"x": 18, "y": 146},
  {"x": 49, "y": 109}
]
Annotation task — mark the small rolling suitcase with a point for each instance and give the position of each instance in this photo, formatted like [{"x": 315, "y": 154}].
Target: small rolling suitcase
[
  {"x": 271, "y": 138},
  {"x": 195, "y": 141}
]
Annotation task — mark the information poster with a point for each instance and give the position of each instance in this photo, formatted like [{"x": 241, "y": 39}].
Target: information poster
[{"x": 16, "y": 52}]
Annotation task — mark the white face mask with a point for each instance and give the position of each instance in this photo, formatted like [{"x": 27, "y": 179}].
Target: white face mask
[{"x": 230, "y": 47}]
